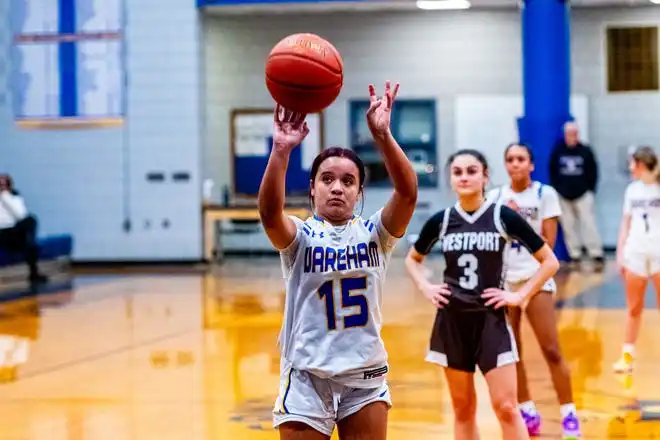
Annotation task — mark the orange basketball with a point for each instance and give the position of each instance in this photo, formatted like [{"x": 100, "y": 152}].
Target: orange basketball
[{"x": 304, "y": 73}]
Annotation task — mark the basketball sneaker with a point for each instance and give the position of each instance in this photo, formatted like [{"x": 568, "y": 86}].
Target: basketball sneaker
[
  {"x": 533, "y": 423},
  {"x": 571, "y": 427},
  {"x": 625, "y": 364}
]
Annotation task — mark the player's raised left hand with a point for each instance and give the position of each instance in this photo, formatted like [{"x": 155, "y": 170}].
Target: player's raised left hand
[
  {"x": 380, "y": 110},
  {"x": 500, "y": 298}
]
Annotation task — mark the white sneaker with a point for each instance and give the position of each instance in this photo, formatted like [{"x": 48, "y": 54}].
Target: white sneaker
[{"x": 625, "y": 364}]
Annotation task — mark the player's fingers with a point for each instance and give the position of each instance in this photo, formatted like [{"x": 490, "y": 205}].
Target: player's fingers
[
  {"x": 372, "y": 93},
  {"x": 299, "y": 118},
  {"x": 277, "y": 114},
  {"x": 395, "y": 91},
  {"x": 374, "y": 105},
  {"x": 487, "y": 294},
  {"x": 388, "y": 100},
  {"x": 442, "y": 299},
  {"x": 492, "y": 301},
  {"x": 500, "y": 303},
  {"x": 444, "y": 291}
]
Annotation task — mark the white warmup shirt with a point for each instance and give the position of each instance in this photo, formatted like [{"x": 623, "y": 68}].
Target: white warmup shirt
[
  {"x": 537, "y": 203},
  {"x": 12, "y": 209},
  {"x": 642, "y": 202}
]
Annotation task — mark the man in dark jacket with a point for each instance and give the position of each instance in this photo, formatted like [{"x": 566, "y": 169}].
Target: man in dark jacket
[{"x": 574, "y": 175}]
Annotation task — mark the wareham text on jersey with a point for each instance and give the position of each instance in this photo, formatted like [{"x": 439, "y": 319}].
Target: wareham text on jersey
[
  {"x": 471, "y": 241},
  {"x": 320, "y": 259}
]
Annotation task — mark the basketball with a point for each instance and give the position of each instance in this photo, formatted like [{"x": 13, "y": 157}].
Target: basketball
[{"x": 304, "y": 73}]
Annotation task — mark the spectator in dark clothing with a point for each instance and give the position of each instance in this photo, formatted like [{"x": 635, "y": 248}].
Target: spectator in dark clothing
[
  {"x": 18, "y": 230},
  {"x": 574, "y": 175}
]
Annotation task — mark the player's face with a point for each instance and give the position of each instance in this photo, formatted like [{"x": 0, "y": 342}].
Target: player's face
[
  {"x": 468, "y": 176},
  {"x": 336, "y": 189},
  {"x": 518, "y": 163},
  {"x": 636, "y": 168}
]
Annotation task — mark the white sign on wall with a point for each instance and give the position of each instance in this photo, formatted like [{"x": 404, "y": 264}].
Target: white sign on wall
[{"x": 489, "y": 123}]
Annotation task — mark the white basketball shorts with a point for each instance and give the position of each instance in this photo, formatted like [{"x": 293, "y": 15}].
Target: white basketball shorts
[
  {"x": 321, "y": 403},
  {"x": 549, "y": 286},
  {"x": 640, "y": 263}
]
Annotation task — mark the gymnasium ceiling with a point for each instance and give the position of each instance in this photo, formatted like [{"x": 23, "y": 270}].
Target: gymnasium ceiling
[{"x": 400, "y": 5}]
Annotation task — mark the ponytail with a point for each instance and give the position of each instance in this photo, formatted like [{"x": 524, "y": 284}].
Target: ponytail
[{"x": 646, "y": 156}]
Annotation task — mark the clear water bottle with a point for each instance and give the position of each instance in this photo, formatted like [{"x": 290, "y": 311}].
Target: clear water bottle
[{"x": 207, "y": 190}]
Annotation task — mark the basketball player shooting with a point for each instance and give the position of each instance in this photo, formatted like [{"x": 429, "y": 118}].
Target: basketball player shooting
[{"x": 333, "y": 359}]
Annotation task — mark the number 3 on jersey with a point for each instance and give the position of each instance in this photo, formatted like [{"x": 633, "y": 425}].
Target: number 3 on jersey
[
  {"x": 470, "y": 264},
  {"x": 348, "y": 299}
]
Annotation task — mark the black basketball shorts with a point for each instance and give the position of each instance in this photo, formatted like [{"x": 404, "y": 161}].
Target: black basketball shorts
[{"x": 463, "y": 340}]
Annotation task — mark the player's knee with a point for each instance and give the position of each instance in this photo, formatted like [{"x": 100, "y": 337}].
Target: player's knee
[
  {"x": 552, "y": 353},
  {"x": 465, "y": 408},
  {"x": 506, "y": 408},
  {"x": 636, "y": 310}
]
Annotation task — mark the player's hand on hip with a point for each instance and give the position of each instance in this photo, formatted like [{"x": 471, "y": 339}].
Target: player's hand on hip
[
  {"x": 620, "y": 266},
  {"x": 289, "y": 130},
  {"x": 500, "y": 298},
  {"x": 437, "y": 294},
  {"x": 380, "y": 109}
]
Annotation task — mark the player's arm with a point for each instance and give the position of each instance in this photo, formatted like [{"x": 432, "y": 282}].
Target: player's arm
[
  {"x": 549, "y": 228},
  {"x": 428, "y": 237},
  {"x": 518, "y": 228},
  {"x": 551, "y": 211},
  {"x": 289, "y": 131},
  {"x": 624, "y": 227},
  {"x": 399, "y": 209}
]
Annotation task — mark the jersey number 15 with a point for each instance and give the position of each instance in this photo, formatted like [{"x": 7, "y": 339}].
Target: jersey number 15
[{"x": 348, "y": 299}]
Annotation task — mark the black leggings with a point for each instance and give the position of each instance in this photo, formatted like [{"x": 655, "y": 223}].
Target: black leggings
[{"x": 22, "y": 238}]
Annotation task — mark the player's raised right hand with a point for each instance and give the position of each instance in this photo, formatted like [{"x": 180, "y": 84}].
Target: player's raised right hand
[
  {"x": 437, "y": 294},
  {"x": 289, "y": 130}
]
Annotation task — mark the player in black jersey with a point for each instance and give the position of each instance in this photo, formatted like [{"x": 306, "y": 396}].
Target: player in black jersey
[{"x": 471, "y": 327}]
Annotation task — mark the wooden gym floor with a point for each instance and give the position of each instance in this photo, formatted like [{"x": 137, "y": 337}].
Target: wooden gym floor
[{"x": 192, "y": 356}]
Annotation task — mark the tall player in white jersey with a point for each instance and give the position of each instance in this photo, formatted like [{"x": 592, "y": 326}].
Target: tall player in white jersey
[
  {"x": 334, "y": 362},
  {"x": 638, "y": 248},
  {"x": 539, "y": 205}
]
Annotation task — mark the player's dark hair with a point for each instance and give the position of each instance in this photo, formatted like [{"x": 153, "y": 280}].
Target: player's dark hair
[
  {"x": 522, "y": 145},
  {"x": 474, "y": 153},
  {"x": 337, "y": 152},
  {"x": 647, "y": 157},
  {"x": 469, "y": 152}
]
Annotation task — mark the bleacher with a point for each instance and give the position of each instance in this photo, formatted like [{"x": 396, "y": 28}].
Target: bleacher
[{"x": 54, "y": 261}]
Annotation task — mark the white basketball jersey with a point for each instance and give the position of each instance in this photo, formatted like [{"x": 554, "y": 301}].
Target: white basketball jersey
[
  {"x": 642, "y": 202},
  {"x": 334, "y": 285},
  {"x": 537, "y": 203}
]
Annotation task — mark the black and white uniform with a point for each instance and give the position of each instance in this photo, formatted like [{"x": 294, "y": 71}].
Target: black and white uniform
[{"x": 466, "y": 332}]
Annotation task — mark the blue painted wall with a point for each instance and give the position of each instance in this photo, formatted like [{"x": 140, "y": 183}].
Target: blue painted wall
[{"x": 88, "y": 182}]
